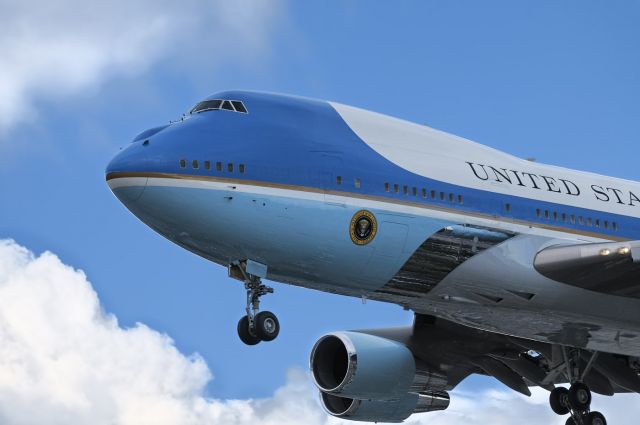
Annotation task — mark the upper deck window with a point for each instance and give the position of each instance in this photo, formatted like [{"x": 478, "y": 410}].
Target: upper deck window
[{"x": 217, "y": 104}]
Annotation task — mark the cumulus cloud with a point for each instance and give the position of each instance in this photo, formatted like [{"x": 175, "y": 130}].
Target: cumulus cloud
[
  {"x": 63, "y": 360},
  {"x": 61, "y": 47}
]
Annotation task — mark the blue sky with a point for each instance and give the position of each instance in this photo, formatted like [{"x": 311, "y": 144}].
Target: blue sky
[{"x": 557, "y": 81}]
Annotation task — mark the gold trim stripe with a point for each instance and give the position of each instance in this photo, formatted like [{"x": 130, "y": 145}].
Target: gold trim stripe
[{"x": 531, "y": 224}]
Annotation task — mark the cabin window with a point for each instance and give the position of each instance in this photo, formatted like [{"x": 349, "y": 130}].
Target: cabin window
[
  {"x": 452, "y": 198},
  {"x": 405, "y": 189},
  {"x": 572, "y": 219},
  {"x": 606, "y": 224},
  {"x": 207, "y": 165},
  {"x": 589, "y": 222},
  {"x": 564, "y": 217},
  {"x": 546, "y": 214},
  {"x": 338, "y": 179},
  {"x": 386, "y": 187},
  {"x": 415, "y": 191},
  {"x": 442, "y": 196},
  {"x": 396, "y": 188},
  {"x": 230, "y": 167},
  {"x": 555, "y": 215},
  {"x": 538, "y": 213},
  {"x": 460, "y": 199},
  {"x": 598, "y": 222},
  {"x": 356, "y": 183},
  {"x": 183, "y": 163},
  {"x": 194, "y": 163},
  {"x": 424, "y": 192},
  {"x": 507, "y": 207},
  {"x": 241, "y": 168},
  {"x": 433, "y": 194},
  {"x": 218, "y": 166},
  {"x": 615, "y": 226},
  {"x": 581, "y": 220}
]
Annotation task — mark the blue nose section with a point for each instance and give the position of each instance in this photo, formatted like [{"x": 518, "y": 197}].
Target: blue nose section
[
  {"x": 123, "y": 173},
  {"x": 130, "y": 159}
]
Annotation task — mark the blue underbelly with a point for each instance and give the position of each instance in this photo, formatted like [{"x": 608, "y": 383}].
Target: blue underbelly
[{"x": 303, "y": 242}]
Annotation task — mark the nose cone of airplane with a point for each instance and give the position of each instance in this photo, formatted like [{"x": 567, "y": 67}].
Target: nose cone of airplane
[{"x": 125, "y": 173}]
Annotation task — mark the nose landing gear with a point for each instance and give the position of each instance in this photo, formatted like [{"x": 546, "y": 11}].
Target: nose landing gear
[
  {"x": 577, "y": 399},
  {"x": 256, "y": 325}
]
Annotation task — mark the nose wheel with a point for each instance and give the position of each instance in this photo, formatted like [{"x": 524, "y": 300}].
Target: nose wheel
[
  {"x": 266, "y": 326},
  {"x": 255, "y": 325}
]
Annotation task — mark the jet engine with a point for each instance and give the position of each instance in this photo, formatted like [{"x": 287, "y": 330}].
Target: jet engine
[
  {"x": 364, "y": 377},
  {"x": 396, "y": 410}
]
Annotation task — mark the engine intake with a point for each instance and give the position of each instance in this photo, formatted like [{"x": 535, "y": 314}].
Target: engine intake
[{"x": 362, "y": 366}]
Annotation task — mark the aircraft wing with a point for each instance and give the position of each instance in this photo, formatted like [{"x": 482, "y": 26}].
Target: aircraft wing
[
  {"x": 612, "y": 268},
  {"x": 458, "y": 351},
  {"x": 446, "y": 353}
]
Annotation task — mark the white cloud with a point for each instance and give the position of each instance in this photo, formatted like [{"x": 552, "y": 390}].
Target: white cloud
[
  {"x": 63, "y": 360},
  {"x": 498, "y": 407},
  {"x": 62, "y": 47}
]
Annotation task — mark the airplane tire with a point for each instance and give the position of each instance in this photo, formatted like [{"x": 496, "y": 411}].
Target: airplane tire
[
  {"x": 579, "y": 397},
  {"x": 559, "y": 400},
  {"x": 595, "y": 418},
  {"x": 267, "y": 326},
  {"x": 570, "y": 421},
  {"x": 244, "y": 332}
]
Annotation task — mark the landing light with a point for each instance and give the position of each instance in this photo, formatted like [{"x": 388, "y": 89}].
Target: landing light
[
  {"x": 624, "y": 251},
  {"x": 605, "y": 252}
]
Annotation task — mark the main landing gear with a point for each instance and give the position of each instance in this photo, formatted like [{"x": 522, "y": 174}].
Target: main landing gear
[
  {"x": 577, "y": 399},
  {"x": 256, "y": 325}
]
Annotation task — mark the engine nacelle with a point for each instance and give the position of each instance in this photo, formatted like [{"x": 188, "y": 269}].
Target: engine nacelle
[
  {"x": 362, "y": 366},
  {"x": 383, "y": 410}
]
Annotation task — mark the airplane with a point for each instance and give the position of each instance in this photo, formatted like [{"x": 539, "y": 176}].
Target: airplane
[{"x": 513, "y": 269}]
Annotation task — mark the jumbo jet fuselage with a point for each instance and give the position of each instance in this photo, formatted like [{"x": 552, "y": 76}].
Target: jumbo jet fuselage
[
  {"x": 526, "y": 272},
  {"x": 339, "y": 199}
]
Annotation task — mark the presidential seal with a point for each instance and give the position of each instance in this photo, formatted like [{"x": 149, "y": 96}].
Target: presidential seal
[{"x": 363, "y": 227}]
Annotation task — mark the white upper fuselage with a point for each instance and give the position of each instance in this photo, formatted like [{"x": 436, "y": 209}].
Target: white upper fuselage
[{"x": 452, "y": 159}]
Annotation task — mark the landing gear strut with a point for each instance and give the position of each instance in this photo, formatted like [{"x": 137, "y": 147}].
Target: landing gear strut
[
  {"x": 577, "y": 399},
  {"x": 256, "y": 325}
]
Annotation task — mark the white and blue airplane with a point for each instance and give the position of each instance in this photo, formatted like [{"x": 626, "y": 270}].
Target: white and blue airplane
[{"x": 526, "y": 272}]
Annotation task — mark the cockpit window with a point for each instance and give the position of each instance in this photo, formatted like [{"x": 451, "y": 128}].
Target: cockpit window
[
  {"x": 206, "y": 105},
  {"x": 217, "y": 104},
  {"x": 227, "y": 105},
  {"x": 239, "y": 106}
]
